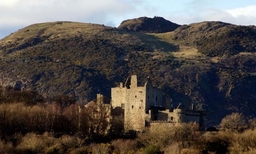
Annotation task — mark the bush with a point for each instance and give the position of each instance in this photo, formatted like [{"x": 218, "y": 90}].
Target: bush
[
  {"x": 215, "y": 144},
  {"x": 47, "y": 143},
  {"x": 234, "y": 122},
  {"x": 158, "y": 136},
  {"x": 186, "y": 134},
  {"x": 100, "y": 148},
  {"x": 34, "y": 143},
  {"x": 123, "y": 146},
  {"x": 151, "y": 150},
  {"x": 244, "y": 142},
  {"x": 6, "y": 147},
  {"x": 81, "y": 150}
]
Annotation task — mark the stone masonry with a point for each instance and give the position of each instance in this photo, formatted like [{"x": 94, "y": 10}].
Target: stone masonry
[{"x": 145, "y": 104}]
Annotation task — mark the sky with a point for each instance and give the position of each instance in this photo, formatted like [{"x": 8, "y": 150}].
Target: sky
[{"x": 17, "y": 14}]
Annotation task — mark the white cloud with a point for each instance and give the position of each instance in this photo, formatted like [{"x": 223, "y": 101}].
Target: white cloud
[
  {"x": 248, "y": 11},
  {"x": 239, "y": 16},
  {"x": 244, "y": 15},
  {"x": 15, "y": 12},
  {"x": 8, "y": 3}
]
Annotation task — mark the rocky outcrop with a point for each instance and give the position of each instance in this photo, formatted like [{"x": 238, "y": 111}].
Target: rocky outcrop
[{"x": 148, "y": 25}]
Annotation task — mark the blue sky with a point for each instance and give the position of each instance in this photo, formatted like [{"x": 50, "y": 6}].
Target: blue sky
[{"x": 16, "y": 14}]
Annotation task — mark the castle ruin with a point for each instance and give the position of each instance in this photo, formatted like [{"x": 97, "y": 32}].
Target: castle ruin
[{"x": 146, "y": 106}]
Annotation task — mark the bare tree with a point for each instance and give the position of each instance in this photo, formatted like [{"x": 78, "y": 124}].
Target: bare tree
[
  {"x": 234, "y": 122},
  {"x": 99, "y": 118}
]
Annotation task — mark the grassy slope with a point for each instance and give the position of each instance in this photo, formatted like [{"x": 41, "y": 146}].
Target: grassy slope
[{"x": 82, "y": 59}]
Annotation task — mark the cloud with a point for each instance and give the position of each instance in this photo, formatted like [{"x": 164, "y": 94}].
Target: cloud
[
  {"x": 8, "y": 3},
  {"x": 17, "y": 12},
  {"x": 244, "y": 15},
  {"x": 240, "y": 16},
  {"x": 249, "y": 11}
]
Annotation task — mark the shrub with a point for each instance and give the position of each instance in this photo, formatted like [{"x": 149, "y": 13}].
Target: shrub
[
  {"x": 172, "y": 148},
  {"x": 100, "y": 148},
  {"x": 244, "y": 142},
  {"x": 81, "y": 150},
  {"x": 34, "y": 143},
  {"x": 6, "y": 147},
  {"x": 211, "y": 142},
  {"x": 234, "y": 122},
  {"x": 252, "y": 123},
  {"x": 186, "y": 134},
  {"x": 123, "y": 146},
  {"x": 151, "y": 149},
  {"x": 158, "y": 136}
]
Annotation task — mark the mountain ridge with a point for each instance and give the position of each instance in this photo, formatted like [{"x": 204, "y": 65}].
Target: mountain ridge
[{"x": 82, "y": 59}]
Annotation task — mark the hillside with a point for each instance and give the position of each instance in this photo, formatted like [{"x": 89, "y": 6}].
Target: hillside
[
  {"x": 217, "y": 38},
  {"x": 81, "y": 59},
  {"x": 148, "y": 25}
]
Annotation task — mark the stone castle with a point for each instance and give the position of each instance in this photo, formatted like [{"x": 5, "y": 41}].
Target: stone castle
[{"x": 145, "y": 106}]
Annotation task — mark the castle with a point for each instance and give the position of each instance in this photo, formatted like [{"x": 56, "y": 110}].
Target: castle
[{"x": 145, "y": 106}]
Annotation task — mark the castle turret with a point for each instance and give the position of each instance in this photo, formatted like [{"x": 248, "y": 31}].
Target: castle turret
[{"x": 133, "y": 81}]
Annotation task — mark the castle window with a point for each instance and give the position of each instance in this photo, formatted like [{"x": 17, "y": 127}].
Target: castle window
[
  {"x": 141, "y": 101},
  {"x": 135, "y": 96},
  {"x": 122, "y": 105},
  {"x": 140, "y": 107},
  {"x": 132, "y": 106},
  {"x": 155, "y": 117},
  {"x": 171, "y": 118}
]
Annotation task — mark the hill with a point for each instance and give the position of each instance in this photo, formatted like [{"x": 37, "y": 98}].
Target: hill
[
  {"x": 218, "y": 38},
  {"x": 82, "y": 59},
  {"x": 148, "y": 25}
]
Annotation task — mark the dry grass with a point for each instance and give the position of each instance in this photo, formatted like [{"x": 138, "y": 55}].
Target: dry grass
[
  {"x": 184, "y": 52},
  {"x": 6, "y": 147},
  {"x": 187, "y": 52},
  {"x": 100, "y": 148},
  {"x": 47, "y": 143},
  {"x": 172, "y": 148},
  {"x": 124, "y": 146},
  {"x": 36, "y": 143},
  {"x": 53, "y": 30},
  {"x": 244, "y": 142}
]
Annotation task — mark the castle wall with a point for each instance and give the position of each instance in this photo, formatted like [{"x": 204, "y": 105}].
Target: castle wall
[
  {"x": 118, "y": 96},
  {"x": 141, "y": 104},
  {"x": 135, "y": 109},
  {"x": 177, "y": 116},
  {"x": 154, "y": 96},
  {"x": 166, "y": 115},
  {"x": 132, "y": 99},
  {"x": 161, "y": 125}
]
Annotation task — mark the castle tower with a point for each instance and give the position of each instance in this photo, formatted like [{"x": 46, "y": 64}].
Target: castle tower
[
  {"x": 146, "y": 104},
  {"x": 133, "y": 81}
]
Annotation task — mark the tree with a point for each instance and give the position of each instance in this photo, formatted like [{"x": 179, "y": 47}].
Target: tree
[
  {"x": 234, "y": 122},
  {"x": 99, "y": 118},
  {"x": 252, "y": 123}
]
